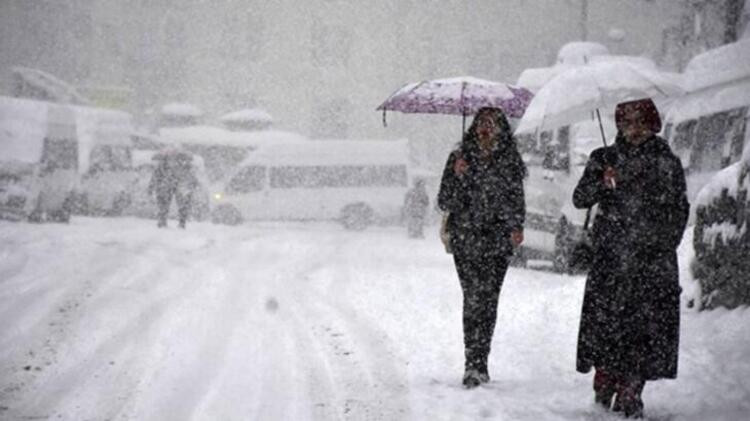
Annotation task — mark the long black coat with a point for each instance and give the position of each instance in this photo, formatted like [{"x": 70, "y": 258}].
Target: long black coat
[
  {"x": 631, "y": 313},
  {"x": 486, "y": 203}
]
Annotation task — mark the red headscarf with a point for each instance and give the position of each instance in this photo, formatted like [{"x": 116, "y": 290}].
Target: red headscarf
[{"x": 648, "y": 109}]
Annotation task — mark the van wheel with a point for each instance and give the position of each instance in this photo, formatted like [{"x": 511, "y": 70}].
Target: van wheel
[
  {"x": 227, "y": 215},
  {"x": 356, "y": 216}
]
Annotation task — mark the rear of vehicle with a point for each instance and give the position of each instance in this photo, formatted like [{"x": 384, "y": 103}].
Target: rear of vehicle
[{"x": 38, "y": 166}]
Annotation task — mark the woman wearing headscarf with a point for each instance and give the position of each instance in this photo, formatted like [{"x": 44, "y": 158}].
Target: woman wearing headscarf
[
  {"x": 482, "y": 191},
  {"x": 629, "y": 329}
]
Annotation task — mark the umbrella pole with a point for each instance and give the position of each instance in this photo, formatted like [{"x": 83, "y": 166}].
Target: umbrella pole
[
  {"x": 463, "y": 124},
  {"x": 601, "y": 128},
  {"x": 384, "y": 123}
]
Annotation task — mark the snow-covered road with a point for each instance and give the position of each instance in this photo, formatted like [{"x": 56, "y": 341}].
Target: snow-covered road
[{"x": 110, "y": 319}]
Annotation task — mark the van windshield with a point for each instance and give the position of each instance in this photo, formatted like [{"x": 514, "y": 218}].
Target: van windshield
[
  {"x": 312, "y": 177},
  {"x": 249, "y": 179}
]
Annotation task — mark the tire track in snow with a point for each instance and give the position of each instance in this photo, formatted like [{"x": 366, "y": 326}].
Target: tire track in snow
[{"x": 345, "y": 352}]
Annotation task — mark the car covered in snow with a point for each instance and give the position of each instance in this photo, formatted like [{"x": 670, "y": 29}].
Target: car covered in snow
[
  {"x": 708, "y": 127},
  {"x": 721, "y": 237}
]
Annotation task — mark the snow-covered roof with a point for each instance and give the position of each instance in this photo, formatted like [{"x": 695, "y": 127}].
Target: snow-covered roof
[
  {"x": 56, "y": 89},
  {"x": 332, "y": 152},
  {"x": 211, "y": 135},
  {"x": 579, "y": 52},
  {"x": 710, "y": 100},
  {"x": 181, "y": 109},
  {"x": 247, "y": 115},
  {"x": 724, "y": 64},
  {"x": 637, "y": 61},
  {"x": 534, "y": 78},
  {"x": 24, "y": 124}
]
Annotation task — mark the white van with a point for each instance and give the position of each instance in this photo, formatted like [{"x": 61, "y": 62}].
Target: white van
[
  {"x": 357, "y": 182},
  {"x": 57, "y": 158},
  {"x": 555, "y": 161},
  {"x": 707, "y": 128},
  {"x": 38, "y": 160}
]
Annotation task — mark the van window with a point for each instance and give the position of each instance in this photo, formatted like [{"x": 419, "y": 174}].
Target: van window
[
  {"x": 59, "y": 154},
  {"x": 338, "y": 176},
  {"x": 684, "y": 134},
  {"x": 110, "y": 158},
  {"x": 667, "y": 131},
  {"x": 556, "y": 155},
  {"x": 718, "y": 140},
  {"x": 736, "y": 132},
  {"x": 220, "y": 160},
  {"x": 247, "y": 180}
]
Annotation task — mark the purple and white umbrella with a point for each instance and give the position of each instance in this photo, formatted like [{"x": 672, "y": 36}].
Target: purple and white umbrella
[{"x": 459, "y": 96}]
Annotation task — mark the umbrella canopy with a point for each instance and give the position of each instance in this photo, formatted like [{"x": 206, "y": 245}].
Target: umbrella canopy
[
  {"x": 576, "y": 93},
  {"x": 459, "y": 96}
]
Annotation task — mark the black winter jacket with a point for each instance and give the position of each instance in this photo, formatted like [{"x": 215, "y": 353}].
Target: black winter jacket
[
  {"x": 486, "y": 203},
  {"x": 630, "y": 316}
]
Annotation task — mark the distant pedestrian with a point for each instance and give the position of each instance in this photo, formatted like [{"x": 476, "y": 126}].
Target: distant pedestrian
[
  {"x": 173, "y": 177},
  {"x": 482, "y": 191},
  {"x": 629, "y": 331},
  {"x": 416, "y": 202}
]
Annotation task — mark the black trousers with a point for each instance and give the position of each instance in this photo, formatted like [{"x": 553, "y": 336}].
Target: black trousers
[
  {"x": 164, "y": 199},
  {"x": 481, "y": 277}
]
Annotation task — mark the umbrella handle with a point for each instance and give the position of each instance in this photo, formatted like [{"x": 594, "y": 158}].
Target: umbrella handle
[
  {"x": 601, "y": 128},
  {"x": 384, "y": 123}
]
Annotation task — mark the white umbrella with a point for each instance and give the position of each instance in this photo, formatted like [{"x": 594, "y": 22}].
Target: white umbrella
[{"x": 575, "y": 94}]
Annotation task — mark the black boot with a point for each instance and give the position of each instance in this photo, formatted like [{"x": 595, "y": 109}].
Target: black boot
[
  {"x": 472, "y": 378},
  {"x": 604, "y": 387},
  {"x": 628, "y": 399}
]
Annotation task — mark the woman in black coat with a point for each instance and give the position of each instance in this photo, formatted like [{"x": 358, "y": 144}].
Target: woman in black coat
[
  {"x": 629, "y": 329},
  {"x": 482, "y": 190}
]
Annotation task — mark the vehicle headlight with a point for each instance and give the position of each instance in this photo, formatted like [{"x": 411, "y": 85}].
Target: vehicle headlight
[{"x": 218, "y": 196}]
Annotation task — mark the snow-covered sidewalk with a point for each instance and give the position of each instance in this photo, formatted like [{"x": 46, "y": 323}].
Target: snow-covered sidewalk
[{"x": 115, "y": 319}]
